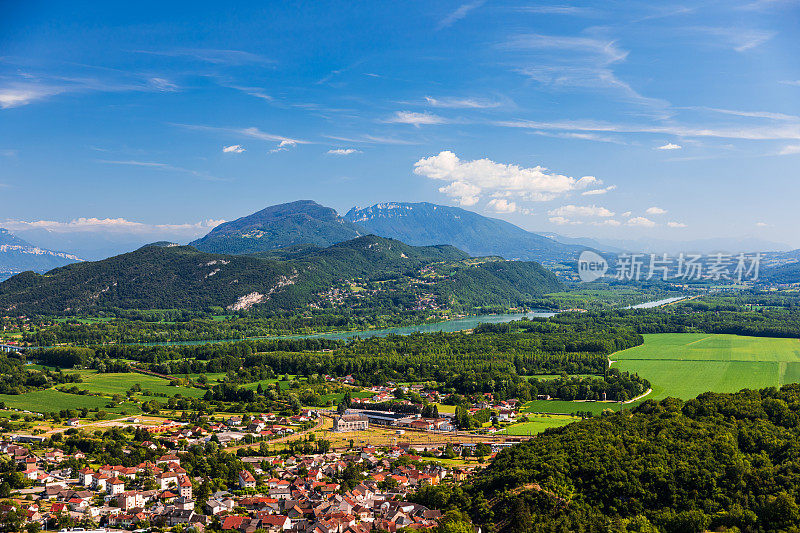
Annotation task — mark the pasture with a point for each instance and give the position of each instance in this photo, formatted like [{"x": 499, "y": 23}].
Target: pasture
[{"x": 684, "y": 365}]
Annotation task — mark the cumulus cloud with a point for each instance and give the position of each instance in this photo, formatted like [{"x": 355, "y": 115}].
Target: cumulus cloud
[
  {"x": 501, "y": 205},
  {"x": 595, "y": 192},
  {"x": 669, "y": 146},
  {"x": 416, "y": 119},
  {"x": 343, "y": 151},
  {"x": 233, "y": 149},
  {"x": 582, "y": 211},
  {"x": 655, "y": 211},
  {"x": 470, "y": 180},
  {"x": 761, "y": 224},
  {"x": 673, "y": 224},
  {"x": 641, "y": 222},
  {"x": 115, "y": 225}
]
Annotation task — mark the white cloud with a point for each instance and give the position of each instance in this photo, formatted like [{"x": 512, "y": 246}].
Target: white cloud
[
  {"x": 790, "y": 149},
  {"x": 462, "y": 103},
  {"x": 234, "y": 148},
  {"x": 562, "y": 221},
  {"x": 501, "y": 205},
  {"x": 343, "y": 151},
  {"x": 416, "y": 119},
  {"x": 673, "y": 224},
  {"x": 595, "y": 192},
  {"x": 669, "y": 146},
  {"x": 791, "y": 82},
  {"x": 626, "y": 214},
  {"x": 469, "y": 180},
  {"x": 641, "y": 222},
  {"x": 581, "y": 62},
  {"x": 115, "y": 225},
  {"x": 739, "y": 39},
  {"x": 284, "y": 145},
  {"x": 557, "y": 10},
  {"x": 761, "y": 225},
  {"x": 373, "y": 139},
  {"x": 462, "y": 11},
  {"x": 655, "y": 211},
  {"x": 789, "y": 131},
  {"x": 582, "y": 211},
  {"x": 608, "y": 222},
  {"x": 163, "y": 85}
]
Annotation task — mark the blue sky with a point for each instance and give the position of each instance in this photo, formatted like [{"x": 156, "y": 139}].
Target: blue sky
[{"x": 612, "y": 119}]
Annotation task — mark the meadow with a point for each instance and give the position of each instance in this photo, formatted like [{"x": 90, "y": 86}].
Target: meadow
[
  {"x": 45, "y": 401},
  {"x": 537, "y": 424},
  {"x": 684, "y": 365},
  {"x": 567, "y": 407},
  {"x": 120, "y": 383}
]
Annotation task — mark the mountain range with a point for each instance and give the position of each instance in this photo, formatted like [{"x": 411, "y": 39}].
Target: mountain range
[
  {"x": 18, "y": 255},
  {"x": 367, "y": 271},
  {"x": 424, "y": 223}
]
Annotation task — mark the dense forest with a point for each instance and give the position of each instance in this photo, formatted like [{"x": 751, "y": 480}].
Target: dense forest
[{"x": 718, "y": 462}]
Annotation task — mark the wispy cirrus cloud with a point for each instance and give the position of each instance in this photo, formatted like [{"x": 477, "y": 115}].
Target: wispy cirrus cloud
[
  {"x": 212, "y": 55},
  {"x": 416, "y": 119},
  {"x": 740, "y": 39},
  {"x": 373, "y": 139},
  {"x": 748, "y": 132},
  {"x": 162, "y": 166},
  {"x": 452, "y": 102},
  {"x": 569, "y": 62},
  {"x": 284, "y": 143},
  {"x": 343, "y": 151},
  {"x": 462, "y": 11}
]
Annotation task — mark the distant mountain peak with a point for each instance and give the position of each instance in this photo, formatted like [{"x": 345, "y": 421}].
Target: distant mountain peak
[
  {"x": 18, "y": 255},
  {"x": 302, "y": 222}
]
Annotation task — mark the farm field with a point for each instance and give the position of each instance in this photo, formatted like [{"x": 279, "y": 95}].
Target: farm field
[
  {"x": 537, "y": 424},
  {"x": 45, "y": 401},
  {"x": 687, "y": 364},
  {"x": 120, "y": 383}
]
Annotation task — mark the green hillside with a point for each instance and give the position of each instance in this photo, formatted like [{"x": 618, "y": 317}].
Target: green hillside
[{"x": 367, "y": 271}]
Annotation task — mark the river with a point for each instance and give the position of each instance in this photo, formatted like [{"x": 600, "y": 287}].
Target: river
[{"x": 447, "y": 326}]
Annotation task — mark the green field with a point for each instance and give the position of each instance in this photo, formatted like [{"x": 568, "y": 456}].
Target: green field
[
  {"x": 566, "y": 407},
  {"x": 537, "y": 424},
  {"x": 120, "y": 383},
  {"x": 46, "y": 401},
  {"x": 687, "y": 364}
]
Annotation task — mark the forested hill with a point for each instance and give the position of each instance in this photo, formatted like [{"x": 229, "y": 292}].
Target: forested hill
[
  {"x": 366, "y": 272},
  {"x": 278, "y": 226},
  {"x": 720, "y": 462}
]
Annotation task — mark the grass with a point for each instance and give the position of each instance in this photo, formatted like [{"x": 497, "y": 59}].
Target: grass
[
  {"x": 45, "y": 401},
  {"x": 566, "y": 407},
  {"x": 120, "y": 383},
  {"x": 684, "y": 365},
  {"x": 537, "y": 424}
]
